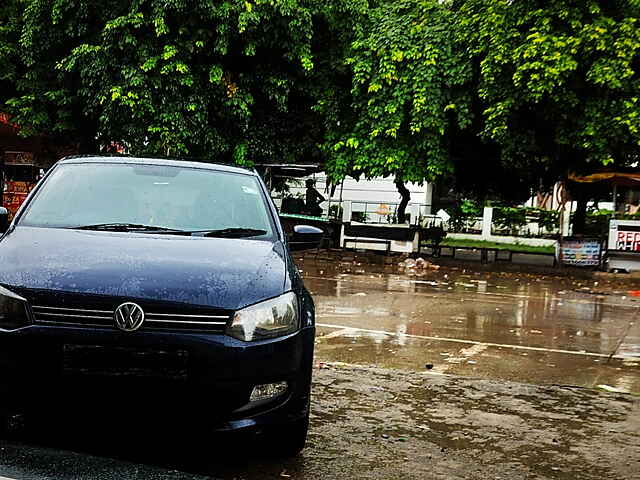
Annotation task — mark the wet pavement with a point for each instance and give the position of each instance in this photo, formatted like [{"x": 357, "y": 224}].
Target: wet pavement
[
  {"x": 443, "y": 373},
  {"x": 375, "y": 423},
  {"x": 526, "y": 328}
]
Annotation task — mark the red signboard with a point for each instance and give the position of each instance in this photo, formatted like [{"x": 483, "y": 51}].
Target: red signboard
[
  {"x": 15, "y": 194},
  {"x": 628, "y": 241}
]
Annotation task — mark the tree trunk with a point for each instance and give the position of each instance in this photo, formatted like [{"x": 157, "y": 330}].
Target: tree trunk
[
  {"x": 87, "y": 133},
  {"x": 88, "y": 145},
  {"x": 406, "y": 196},
  {"x": 580, "y": 216}
]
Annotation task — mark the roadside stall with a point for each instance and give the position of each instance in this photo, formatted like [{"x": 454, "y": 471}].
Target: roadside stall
[
  {"x": 622, "y": 243},
  {"x": 20, "y": 176},
  {"x": 292, "y": 209},
  {"x": 623, "y": 246}
]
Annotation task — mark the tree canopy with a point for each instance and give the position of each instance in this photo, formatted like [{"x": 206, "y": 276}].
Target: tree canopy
[
  {"x": 179, "y": 77},
  {"x": 9, "y": 59},
  {"x": 559, "y": 80},
  {"x": 504, "y": 94},
  {"x": 410, "y": 92},
  {"x": 498, "y": 95}
]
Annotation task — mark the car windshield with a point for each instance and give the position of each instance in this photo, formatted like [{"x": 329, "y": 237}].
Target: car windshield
[{"x": 150, "y": 198}]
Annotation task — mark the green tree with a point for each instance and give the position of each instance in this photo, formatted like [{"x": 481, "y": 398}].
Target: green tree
[
  {"x": 410, "y": 90},
  {"x": 9, "y": 35},
  {"x": 507, "y": 96},
  {"x": 410, "y": 107},
  {"x": 220, "y": 80},
  {"x": 559, "y": 81}
]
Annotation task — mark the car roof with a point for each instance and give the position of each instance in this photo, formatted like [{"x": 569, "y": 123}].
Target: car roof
[{"x": 122, "y": 159}]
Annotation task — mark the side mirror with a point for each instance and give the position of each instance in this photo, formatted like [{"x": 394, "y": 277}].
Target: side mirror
[
  {"x": 305, "y": 237},
  {"x": 4, "y": 219}
]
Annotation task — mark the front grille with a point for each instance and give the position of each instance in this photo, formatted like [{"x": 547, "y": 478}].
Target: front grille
[
  {"x": 49, "y": 315},
  {"x": 72, "y": 316},
  {"x": 186, "y": 322}
]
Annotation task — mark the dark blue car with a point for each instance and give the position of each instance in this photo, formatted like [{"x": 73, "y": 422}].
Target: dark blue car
[{"x": 156, "y": 287}]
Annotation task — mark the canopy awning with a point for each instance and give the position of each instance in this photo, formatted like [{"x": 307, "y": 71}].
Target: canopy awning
[
  {"x": 615, "y": 178},
  {"x": 290, "y": 170}
]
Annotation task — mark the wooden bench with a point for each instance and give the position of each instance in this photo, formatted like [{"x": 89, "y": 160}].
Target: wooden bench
[{"x": 484, "y": 252}]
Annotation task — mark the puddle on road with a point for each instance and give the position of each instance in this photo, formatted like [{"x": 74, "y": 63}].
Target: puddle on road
[
  {"x": 518, "y": 327},
  {"x": 492, "y": 362}
]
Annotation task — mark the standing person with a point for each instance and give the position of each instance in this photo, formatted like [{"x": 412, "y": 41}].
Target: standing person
[{"x": 313, "y": 199}]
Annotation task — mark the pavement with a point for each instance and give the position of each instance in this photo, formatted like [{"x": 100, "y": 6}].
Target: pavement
[
  {"x": 377, "y": 423},
  {"x": 433, "y": 372},
  {"x": 529, "y": 328}
]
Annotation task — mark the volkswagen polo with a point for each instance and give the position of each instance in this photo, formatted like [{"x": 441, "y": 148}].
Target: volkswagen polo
[{"x": 163, "y": 286}]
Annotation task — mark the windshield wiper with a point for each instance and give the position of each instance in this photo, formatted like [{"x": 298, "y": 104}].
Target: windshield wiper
[
  {"x": 129, "y": 227},
  {"x": 134, "y": 227},
  {"x": 232, "y": 232}
]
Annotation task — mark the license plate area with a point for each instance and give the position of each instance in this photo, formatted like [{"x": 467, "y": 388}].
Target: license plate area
[{"x": 112, "y": 361}]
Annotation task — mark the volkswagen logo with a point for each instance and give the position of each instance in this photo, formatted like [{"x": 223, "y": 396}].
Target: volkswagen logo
[{"x": 129, "y": 317}]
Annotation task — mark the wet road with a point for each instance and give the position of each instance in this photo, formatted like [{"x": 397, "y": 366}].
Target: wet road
[
  {"x": 503, "y": 397},
  {"x": 372, "y": 423},
  {"x": 499, "y": 326}
]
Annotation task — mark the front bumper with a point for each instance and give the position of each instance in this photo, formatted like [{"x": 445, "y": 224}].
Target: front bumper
[{"x": 212, "y": 386}]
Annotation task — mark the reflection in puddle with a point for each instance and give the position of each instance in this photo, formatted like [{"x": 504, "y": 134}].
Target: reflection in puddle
[{"x": 386, "y": 310}]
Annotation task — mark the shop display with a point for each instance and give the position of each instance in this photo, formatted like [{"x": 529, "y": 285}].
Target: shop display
[{"x": 20, "y": 176}]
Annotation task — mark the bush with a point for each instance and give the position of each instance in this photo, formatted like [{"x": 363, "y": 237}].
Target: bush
[
  {"x": 463, "y": 215},
  {"x": 597, "y": 221},
  {"x": 514, "y": 219},
  {"x": 547, "y": 219},
  {"x": 511, "y": 219}
]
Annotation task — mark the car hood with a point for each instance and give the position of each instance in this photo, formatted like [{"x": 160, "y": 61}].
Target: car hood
[{"x": 215, "y": 272}]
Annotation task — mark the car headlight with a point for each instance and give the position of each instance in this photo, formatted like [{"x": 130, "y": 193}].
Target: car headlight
[
  {"x": 268, "y": 319},
  {"x": 13, "y": 310}
]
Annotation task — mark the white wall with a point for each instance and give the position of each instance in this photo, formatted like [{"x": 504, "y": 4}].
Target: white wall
[{"x": 375, "y": 191}]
